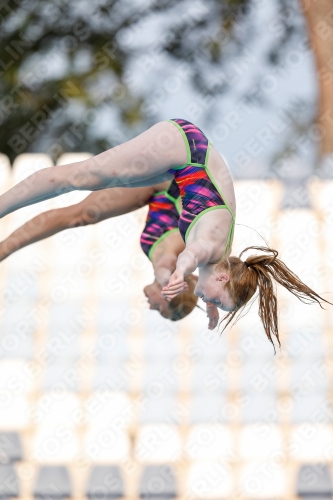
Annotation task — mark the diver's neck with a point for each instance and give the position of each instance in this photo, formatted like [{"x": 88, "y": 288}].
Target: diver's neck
[{"x": 206, "y": 270}]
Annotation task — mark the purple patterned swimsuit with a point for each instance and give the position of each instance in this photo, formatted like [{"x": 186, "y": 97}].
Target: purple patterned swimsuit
[
  {"x": 162, "y": 218},
  {"x": 198, "y": 191}
]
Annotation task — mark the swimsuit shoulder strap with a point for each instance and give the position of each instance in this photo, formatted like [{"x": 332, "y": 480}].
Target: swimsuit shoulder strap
[
  {"x": 230, "y": 236},
  {"x": 231, "y": 231},
  {"x": 218, "y": 189}
]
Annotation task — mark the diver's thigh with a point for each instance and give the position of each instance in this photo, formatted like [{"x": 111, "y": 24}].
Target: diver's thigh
[
  {"x": 122, "y": 200},
  {"x": 112, "y": 202},
  {"x": 152, "y": 182},
  {"x": 146, "y": 158}
]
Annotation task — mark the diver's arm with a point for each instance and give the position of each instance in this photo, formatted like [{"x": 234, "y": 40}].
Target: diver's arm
[{"x": 195, "y": 254}]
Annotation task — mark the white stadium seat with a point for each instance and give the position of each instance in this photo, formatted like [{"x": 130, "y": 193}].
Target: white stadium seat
[
  {"x": 158, "y": 443},
  {"x": 309, "y": 375},
  {"x": 210, "y": 479},
  {"x": 321, "y": 193},
  {"x": 258, "y": 377},
  {"x": 18, "y": 325},
  {"x": 111, "y": 375},
  {"x": 18, "y": 376},
  {"x": 55, "y": 443},
  {"x": 62, "y": 375},
  {"x": 207, "y": 408},
  {"x": 104, "y": 408},
  {"x": 209, "y": 442},
  {"x": 297, "y": 316},
  {"x": 5, "y": 173},
  {"x": 303, "y": 342},
  {"x": 258, "y": 408},
  {"x": 260, "y": 442},
  {"x": 253, "y": 342},
  {"x": 310, "y": 406},
  {"x": 322, "y": 199},
  {"x": 263, "y": 479},
  {"x": 112, "y": 346},
  {"x": 257, "y": 206},
  {"x": 312, "y": 442},
  {"x": 115, "y": 311},
  {"x": 5, "y": 184},
  {"x": 106, "y": 444},
  {"x": 56, "y": 408},
  {"x": 160, "y": 377},
  {"x": 210, "y": 376},
  {"x": 298, "y": 233},
  {"x": 15, "y": 410},
  {"x": 205, "y": 345},
  {"x": 161, "y": 340},
  {"x": 163, "y": 409}
]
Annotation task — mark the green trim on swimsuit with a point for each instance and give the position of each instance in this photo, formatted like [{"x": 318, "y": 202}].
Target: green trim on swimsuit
[
  {"x": 178, "y": 205},
  {"x": 219, "y": 191},
  {"x": 171, "y": 198},
  {"x": 187, "y": 164},
  {"x": 197, "y": 217},
  {"x": 175, "y": 201},
  {"x": 161, "y": 238},
  {"x": 164, "y": 190},
  {"x": 207, "y": 153},
  {"x": 185, "y": 140},
  {"x": 166, "y": 194},
  {"x": 230, "y": 237},
  {"x": 225, "y": 206},
  {"x": 180, "y": 166}
]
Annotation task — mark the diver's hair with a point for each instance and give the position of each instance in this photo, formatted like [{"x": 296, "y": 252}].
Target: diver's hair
[
  {"x": 184, "y": 303},
  {"x": 260, "y": 271}
]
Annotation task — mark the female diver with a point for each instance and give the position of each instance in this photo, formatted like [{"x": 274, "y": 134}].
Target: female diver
[
  {"x": 180, "y": 150},
  {"x": 160, "y": 239}
]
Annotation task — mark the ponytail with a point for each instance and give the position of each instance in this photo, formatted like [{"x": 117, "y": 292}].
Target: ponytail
[{"x": 260, "y": 272}]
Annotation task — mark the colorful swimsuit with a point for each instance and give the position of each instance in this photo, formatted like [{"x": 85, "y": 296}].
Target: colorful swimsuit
[
  {"x": 198, "y": 190},
  {"x": 162, "y": 218}
]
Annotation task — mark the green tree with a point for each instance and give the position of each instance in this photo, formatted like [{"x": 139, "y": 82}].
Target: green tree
[{"x": 64, "y": 65}]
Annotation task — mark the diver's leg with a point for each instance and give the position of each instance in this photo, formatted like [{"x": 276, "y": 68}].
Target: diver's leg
[
  {"x": 144, "y": 160},
  {"x": 96, "y": 207}
]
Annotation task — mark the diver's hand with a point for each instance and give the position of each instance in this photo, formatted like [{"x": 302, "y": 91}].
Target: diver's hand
[
  {"x": 175, "y": 286},
  {"x": 213, "y": 315}
]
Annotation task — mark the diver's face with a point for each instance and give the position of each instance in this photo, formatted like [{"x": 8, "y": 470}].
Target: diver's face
[
  {"x": 212, "y": 289},
  {"x": 156, "y": 301}
]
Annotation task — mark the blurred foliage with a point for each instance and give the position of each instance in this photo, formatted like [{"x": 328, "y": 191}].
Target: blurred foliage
[{"x": 65, "y": 64}]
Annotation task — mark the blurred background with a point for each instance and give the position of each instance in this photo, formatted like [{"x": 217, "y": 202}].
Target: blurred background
[{"x": 100, "y": 397}]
